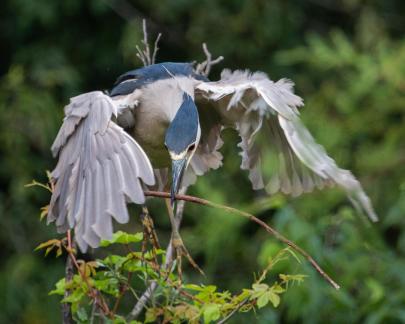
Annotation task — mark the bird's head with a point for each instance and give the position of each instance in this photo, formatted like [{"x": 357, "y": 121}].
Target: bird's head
[{"x": 182, "y": 138}]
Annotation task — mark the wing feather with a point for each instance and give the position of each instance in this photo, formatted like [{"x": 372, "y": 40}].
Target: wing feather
[
  {"x": 252, "y": 102},
  {"x": 100, "y": 168}
]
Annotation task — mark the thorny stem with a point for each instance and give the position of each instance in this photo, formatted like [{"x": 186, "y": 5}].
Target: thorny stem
[{"x": 251, "y": 217}]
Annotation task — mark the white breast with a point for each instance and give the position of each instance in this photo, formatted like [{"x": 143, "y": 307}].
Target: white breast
[{"x": 158, "y": 106}]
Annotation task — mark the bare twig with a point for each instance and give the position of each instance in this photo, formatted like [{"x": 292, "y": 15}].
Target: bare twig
[
  {"x": 251, "y": 217},
  {"x": 156, "y": 48},
  {"x": 144, "y": 54},
  {"x": 204, "y": 68}
]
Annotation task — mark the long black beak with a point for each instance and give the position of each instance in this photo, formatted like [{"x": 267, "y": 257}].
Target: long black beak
[{"x": 178, "y": 167}]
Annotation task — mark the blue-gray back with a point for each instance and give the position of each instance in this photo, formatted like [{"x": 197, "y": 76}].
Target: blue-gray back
[{"x": 135, "y": 79}]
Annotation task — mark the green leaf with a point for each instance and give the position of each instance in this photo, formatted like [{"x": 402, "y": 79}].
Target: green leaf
[
  {"x": 59, "y": 288},
  {"x": 274, "y": 298},
  {"x": 263, "y": 300},
  {"x": 109, "y": 286},
  {"x": 299, "y": 278},
  {"x": 82, "y": 314},
  {"x": 210, "y": 288},
  {"x": 260, "y": 287},
  {"x": 134, "y": 266},
  {"x": 150, "y": 315},
  {"x": 121, "y": 237},
  {"x": 296, "y": 257},
  {"x": 51, "y": 243},
  {"x": 194, "y": 287},
  {"x": 75, "y": 297},
  {"x": 48, "y": 249},
  {"x": 35, "y": 183},
  {"x": 114, "y": 261},
  {"x": 376, "y": 289},
  {"x": 119, "y": 320},
  {"x": 44, "y": 212},
  {"x": 276, "y": 288},
  {"x": 211, "y": 312}
]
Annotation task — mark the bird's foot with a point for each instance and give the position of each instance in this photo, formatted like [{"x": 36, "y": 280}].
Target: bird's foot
[{"x": 181, "y": 251}]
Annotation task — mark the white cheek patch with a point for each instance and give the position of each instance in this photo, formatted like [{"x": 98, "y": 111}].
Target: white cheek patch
[
  {"x": 179, "y": 156},
  {"x": 197, "y": 141},
  {"x": 187, "y": 154}
]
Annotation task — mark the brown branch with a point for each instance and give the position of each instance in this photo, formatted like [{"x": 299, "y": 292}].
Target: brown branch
[
  {"x": 123, "y": 290},
  {"x": 252, "y": 218}
]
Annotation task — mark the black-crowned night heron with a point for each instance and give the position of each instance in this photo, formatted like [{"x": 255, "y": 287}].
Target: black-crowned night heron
[{"x": 111, "y": 147}]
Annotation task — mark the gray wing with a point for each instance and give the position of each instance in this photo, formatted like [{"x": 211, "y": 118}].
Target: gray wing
[
  {"x": 207, "y": 156},
  {"x": 266, "y": 116},
  {"x": 99, "y": 170}
]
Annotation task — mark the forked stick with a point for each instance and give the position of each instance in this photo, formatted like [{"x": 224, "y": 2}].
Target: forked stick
[
  {"x": 204, "y": 67},
  {"x": 144, "y": 54}
]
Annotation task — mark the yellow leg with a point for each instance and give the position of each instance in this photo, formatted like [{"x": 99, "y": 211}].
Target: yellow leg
[{"x": 178, "y": 246}]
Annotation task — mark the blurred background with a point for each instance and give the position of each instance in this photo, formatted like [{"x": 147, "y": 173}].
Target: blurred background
[{"x": 347, "y": 58}]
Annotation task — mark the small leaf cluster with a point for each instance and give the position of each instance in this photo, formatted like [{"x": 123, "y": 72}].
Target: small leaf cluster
[{"x": 98, "y": 287}]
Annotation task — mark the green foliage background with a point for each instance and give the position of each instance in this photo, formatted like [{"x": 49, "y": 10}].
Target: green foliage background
[{"x": 347, "y": 58}]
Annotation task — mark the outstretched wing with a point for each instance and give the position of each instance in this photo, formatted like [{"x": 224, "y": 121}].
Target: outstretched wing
[
  {"x": 266, "y": 116},
  {"x": 99, "y": 170}
]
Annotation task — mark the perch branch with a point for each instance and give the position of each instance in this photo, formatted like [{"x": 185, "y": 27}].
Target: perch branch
[{"x": 251, "y": 217}]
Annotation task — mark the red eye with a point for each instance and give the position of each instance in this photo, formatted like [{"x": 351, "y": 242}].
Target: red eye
[{"x": 191, "y": 147}]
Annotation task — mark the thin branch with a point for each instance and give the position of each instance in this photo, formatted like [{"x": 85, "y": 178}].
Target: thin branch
[
  {"x": 123, "y": 290},
  {"x": 204, "y": 68},
  {"x": 251, "y": 217},
  {"x": 148, "y": 293},
  {"x": 144, "y": 54},
  {"x": 156, "y": 48},
  {"x": 237, "y": 308}
]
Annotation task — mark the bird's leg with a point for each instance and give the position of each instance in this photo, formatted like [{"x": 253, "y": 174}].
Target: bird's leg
[
  {"x": 177, "y": 243},
  {"x": 149, "y": 234}
]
